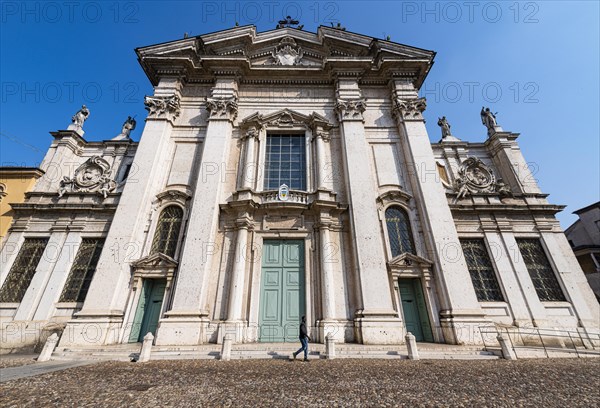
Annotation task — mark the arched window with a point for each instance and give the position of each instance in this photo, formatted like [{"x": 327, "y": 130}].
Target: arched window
[
  {"x": 399, "y": 232},
  {"x": 167, "y": 231}
]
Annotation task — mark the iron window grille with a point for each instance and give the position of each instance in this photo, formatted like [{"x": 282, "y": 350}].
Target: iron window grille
[
  {"x": 166, "y": 236},
  {"x": 285, "y": 162},
  {"x": 399, "y": 231},
  {"x": 482, "y": 272},
  {"x": 544, "y": 280},
  {"x": 22, "y": 271},
  {"x": 82, "y": 271}
]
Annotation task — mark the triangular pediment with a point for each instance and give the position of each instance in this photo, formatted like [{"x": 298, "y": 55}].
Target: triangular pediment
[
  {"x": 409, "y": 260},
  {"x": 281, "y": 49},
  {"x": 155, "y": 261},
  {"x": 286, "y": 118}
]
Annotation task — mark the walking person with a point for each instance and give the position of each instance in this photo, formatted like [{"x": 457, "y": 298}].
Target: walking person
[{"x": 304, "y": 339}]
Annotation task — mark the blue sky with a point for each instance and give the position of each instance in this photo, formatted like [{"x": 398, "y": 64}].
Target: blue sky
[{"x": 535, "y": 63}]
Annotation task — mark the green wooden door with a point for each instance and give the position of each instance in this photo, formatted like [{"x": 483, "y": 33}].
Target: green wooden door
[
  {"x": 282, "y": 290},
  {"x": 414, "y": 309},
  {"x": 148, "y": 309}
]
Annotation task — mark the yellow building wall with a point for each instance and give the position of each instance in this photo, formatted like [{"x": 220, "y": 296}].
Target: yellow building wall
[{"x": 14, "y": 183}]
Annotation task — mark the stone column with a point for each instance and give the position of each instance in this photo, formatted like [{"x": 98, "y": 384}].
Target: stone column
[
  {"x": 462, "y": 315},
  {"x": 101, "y": 319},
  {"x": 234, "y": 323},
  {"x": 249, "y": 172},
  {"x": 187, "y": 320},
  {"x": 320, "y": 136},
  {"x": 376, "y": 322},
  {"x": 328, "y": 323}
]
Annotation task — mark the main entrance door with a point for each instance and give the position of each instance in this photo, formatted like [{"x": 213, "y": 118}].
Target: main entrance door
[
  {"x": 414, "y": 309},
  {"x": 148, "y": 309},
  {"x": 281, "y": 290}
]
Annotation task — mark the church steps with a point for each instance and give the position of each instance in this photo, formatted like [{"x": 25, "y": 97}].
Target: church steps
[{"x": 271, "y": 351}]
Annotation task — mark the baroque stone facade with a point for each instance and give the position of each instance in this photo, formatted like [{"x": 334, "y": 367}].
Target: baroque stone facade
[{"x": 282, "y": 174}]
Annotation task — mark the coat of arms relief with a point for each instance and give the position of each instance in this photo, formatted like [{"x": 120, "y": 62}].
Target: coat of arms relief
[
  {"x": 287, "y": 53},
  {"x": 93, "y": 176},
  {"x": 475, "y": 177}
]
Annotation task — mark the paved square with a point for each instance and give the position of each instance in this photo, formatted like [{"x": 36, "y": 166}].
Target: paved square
[{"x": 547, "y": 383}]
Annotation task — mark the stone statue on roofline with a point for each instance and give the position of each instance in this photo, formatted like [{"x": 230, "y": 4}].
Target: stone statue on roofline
[
  {"x": 443, "y": 123},
  {"x": 78, "y": 119},
  {"x": 127, "y": 128},
  {"x": 446, "y": 134},
  {"x": 489, "y": 120}
]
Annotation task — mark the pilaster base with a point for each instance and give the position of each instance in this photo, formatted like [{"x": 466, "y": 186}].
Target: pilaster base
[
  {"x": 182, "y": 330},
  {"x": 464, "y": 329},
  {"x": 334, "y": 328},
  {"x": 370, "y": 329},
  {"x": 235, "y": 329},
  {"x": 92, "y": 332}
]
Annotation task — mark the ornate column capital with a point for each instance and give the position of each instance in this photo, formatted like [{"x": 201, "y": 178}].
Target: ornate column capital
[
  {"x": 251, "y": 132},
  {"x": 163, "y": 107},
  {"x": 222, "y": 108},
  {"x": 320, "y": 133},
  {"x": 351, "y": 109},
  {"x": 408, "y": 109}
]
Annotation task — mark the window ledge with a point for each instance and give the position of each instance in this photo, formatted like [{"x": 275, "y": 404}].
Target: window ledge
[
  {"x": 69, "y": 305},
  {"x": 9, "y": 305}
]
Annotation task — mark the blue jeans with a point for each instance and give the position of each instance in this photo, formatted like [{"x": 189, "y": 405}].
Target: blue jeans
[{"x": 304, "y": 348}]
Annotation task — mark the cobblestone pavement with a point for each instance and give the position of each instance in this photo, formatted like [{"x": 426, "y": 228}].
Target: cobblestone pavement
[{"x": 541, "y": 383}]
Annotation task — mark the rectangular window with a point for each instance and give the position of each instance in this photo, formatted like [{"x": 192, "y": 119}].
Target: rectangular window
[
  {"x": 543, "y": 277},
  {"x": 82, "y": 270},
  {"x": 285, "y": 162},
  {"x": 23, "y": 269},
  {"x": 481, "y": 270}
]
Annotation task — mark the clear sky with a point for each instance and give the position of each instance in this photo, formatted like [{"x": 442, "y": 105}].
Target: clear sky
[{"x": 536, "y": 63}]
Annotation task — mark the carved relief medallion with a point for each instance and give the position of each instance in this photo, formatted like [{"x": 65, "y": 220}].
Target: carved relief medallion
[{"x": 91, "y": 176}]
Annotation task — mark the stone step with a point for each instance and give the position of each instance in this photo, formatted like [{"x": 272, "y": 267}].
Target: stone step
[{"x": 125, "y": 352}]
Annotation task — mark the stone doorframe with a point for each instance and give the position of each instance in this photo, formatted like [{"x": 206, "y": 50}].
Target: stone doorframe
[
  {"x": 155, "y": 266},
  {"x": 255, "y": 275},
  {"x": 407, "y": 266}
]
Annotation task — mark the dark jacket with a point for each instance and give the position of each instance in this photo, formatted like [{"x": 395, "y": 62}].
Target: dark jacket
[{"x": 303, "y": 332}]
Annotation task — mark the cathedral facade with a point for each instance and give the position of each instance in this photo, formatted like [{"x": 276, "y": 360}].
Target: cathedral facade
[{"x": 284, "y": 174}]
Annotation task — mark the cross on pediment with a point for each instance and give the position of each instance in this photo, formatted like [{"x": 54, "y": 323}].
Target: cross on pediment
[{"x": 289, "y": 22}]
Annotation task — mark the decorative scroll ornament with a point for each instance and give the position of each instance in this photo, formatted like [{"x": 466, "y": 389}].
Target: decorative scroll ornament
[
  {"x": 409, "y": 109},
  {"x": 93, "y": 176},
  {"x": 163, "y": 106},
  {"x": 474, "y": 177},
  {"x": 286, "y": 53},
  {"x": 351, "y": 109},
  {"x": 222, "y": 108}
]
